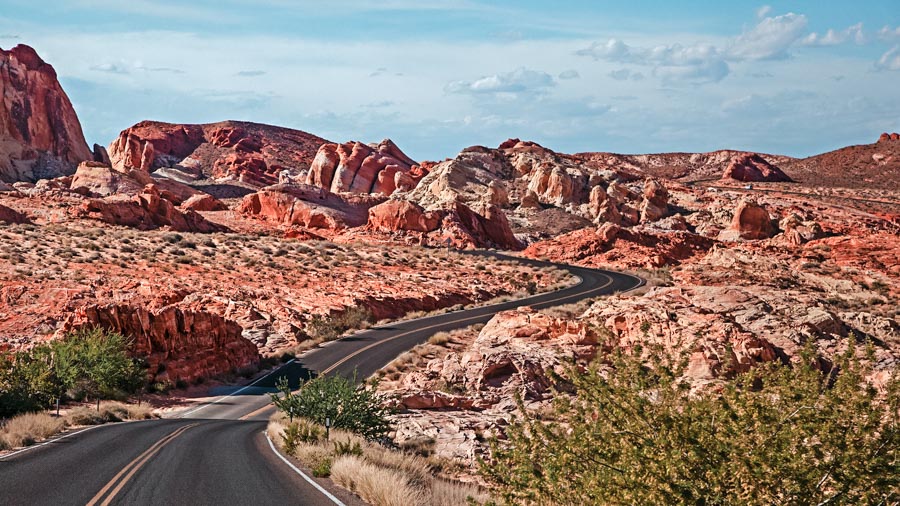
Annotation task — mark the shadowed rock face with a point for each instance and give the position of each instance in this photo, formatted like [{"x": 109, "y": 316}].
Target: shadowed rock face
[
  {"x": 752, "y": 168},
  {"x": 40, "y": 136},
  {"x": 251, "y": 153}
]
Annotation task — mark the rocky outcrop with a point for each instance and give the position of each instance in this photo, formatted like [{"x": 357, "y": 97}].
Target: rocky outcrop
[
  {"x": 203, "y": 202},
  {"x": 360, "y": 168},
  {"x": 889, "y": 137},
  {"x": 308, "y": 206},
  {"x": 40, "y": 136},
  {"x": 180, "y": 344},
  {"x": 250, "y": 153},
  {"x": 752, "y": 168},
  {"x": 655, "y": 204},
  {"x": 99, "y": 179},
  {"x": 402, "y": 215},
  {"x": 144, "y": 211},
  {"x": 751, "y": 221},
  {"x": 11, "y": 216}
]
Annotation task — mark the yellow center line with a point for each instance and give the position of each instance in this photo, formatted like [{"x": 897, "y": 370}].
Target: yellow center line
[{"x": 134, "y": 465}]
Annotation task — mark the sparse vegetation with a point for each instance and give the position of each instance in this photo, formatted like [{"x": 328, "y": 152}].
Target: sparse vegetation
[{"x": 775, "y": 435}]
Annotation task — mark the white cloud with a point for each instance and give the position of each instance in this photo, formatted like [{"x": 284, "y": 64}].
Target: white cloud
[
  {"x": 697, "y": 63},
  {"x": 521, "y": 80},
  {"x": 112, "y": 68},
  {"x": 889, "y": 34},
  {"x": 770, "y": 39},
  {"x": 569, "y": 74},
  {"x": 833, "y": 38},
  {"x": 889, "y": 60},
  {"x": 763, "y": 11},
  {"x": 625, "y": 74}
]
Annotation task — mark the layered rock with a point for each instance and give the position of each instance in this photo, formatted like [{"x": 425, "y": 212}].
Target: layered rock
[
  {"x": 145, "y": 211},
  {"x": 752, "y": 168},
  {"x": 360, "y": 168},
  {"x": 40, "y": 136},
  {"x": 180, "y": 344},
  {"x": 249, "y": 153},
  {"x": 308, "y": 206}
]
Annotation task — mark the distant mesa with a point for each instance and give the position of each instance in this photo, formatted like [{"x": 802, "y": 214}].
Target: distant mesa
[
  {"x": 752, "y": 168},
  {"x": 40, "y": 136}
]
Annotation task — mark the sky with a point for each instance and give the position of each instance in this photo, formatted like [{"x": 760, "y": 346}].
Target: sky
[{"x": 795, "y": 78}]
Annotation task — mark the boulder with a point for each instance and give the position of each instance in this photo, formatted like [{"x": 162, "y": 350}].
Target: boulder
[
  {"x": 751, "y": 221},
  {"x": 402, "y": 215},
  {"x": 144, "y": 211},
  {"x": 203, "y": 202}
]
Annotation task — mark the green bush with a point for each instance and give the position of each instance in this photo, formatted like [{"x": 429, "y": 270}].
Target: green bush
[
  {"x": 347, "y": 448},
  {"x": 346, "y": 405},
  {"x": 322, "y": 469},
  {"x": 775, "y": 435}
]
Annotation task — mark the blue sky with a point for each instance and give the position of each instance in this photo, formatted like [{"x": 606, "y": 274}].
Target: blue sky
[{"x": 795, "y": 78}]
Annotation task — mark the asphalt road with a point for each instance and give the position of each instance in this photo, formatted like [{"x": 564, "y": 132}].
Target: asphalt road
[{"x": 216, "y": 453}]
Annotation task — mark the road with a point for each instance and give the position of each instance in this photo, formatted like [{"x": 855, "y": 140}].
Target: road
[{"x": 216, "y": 453}]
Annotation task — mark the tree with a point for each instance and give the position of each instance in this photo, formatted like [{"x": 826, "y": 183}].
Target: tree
[
  {"x": 27, "y": 381},
  {"x": 346, "y": 405},
  {"x": 777, "y": 434},
  {"x": 96, "y": 363}
]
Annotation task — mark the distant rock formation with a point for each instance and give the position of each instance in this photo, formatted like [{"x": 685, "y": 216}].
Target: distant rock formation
[
  {"x": 40, "y": 136},
  {"x": 751, "y": 221},
  {"x": 250, "y": 153},
  {"x": 360, "y": 168},
  {"x": 889, "y": 137},
  {"x": 752, "y": 168},
  {"x": 146, "y": 210}
]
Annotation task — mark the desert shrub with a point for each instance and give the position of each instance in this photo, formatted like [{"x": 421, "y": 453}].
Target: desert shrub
[
  {"x": 322, "y": 469},
  {"x": 27, "y": 381},
  {"x": 348, "y": 447},
  {"x": 357, "y": 408},
  {"x": 777, "y": 434},
  {"x": 376, "y": 485},
  {"x": 328, "y": 328},
  {"x": 28, "y": 428}
]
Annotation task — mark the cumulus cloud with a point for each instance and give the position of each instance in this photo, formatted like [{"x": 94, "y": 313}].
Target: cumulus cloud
[
  {"x": 569, "y": 74},
  {"x": 763, "y": 11},
  {"x": 521, "y": 80},
  {"x": 770, "y": 39},
  {"x": 890, "y": 60},
  {"x": 833, "y": 38},
  {"x": 625, "y": 74}
]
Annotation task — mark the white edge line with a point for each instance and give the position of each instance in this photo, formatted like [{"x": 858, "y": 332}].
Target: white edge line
[
  {"x": 32, "y": 447},
  {"x": 236, "y": 392},
  {"x": 312, "y": 482}
]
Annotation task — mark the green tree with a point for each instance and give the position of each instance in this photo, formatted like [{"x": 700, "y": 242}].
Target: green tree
[
  {"x": 346, "y": 405},
  {"x": 96, "y": 363},
  {"x": 27, "y": 381},
  {"x": 774, "y": 435}
]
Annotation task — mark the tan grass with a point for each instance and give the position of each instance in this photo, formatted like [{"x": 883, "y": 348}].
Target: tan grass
[
  {"x": 375, "y": 485},
  {"x": 28, "y": 428},
  {"x": 447, "y": 493}
]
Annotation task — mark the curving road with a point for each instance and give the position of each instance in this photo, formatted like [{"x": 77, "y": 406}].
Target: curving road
[{"x": 216, "y": 453}]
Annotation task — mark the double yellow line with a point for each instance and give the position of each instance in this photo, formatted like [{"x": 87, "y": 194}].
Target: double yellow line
[{"x": 119, "y": 480}]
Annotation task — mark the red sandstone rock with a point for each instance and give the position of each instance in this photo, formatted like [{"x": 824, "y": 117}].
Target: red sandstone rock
[
  {"x": 752, "y": 168},
  {"x": 189, "y": 344},
  {"x": 889, "y": 137},
  {"x": 751, "y": 221},
  {"x": 359, "y": 168},
  {"x": 8, "y": 215},
  {"x": 203, "y": 202},
  {"x": 144, "y": 211},
  {"x": 41, "y": 135},
  {"x": 247, "y": 152},
  {"x": 99, "y": 179},
  {"x": 308, "y": 206},
  {"x": 402, "y": 215}
]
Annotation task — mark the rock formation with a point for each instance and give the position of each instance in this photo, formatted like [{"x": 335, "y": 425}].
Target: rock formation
[
  {"x": 40, "y": 136},
  {"x": 180, "y": 344},
  {"x": 751, "y": 222},
  {"x": 752, "y": 168},
  {"x": 11, "y": 216},
  {"x": 308, "y": 206},
  {"x": 889, "y": 137},
  {"x": 145, "y": 211},
  {"x": 249, "y": 153},
  {"x": 359, "y": 168}
]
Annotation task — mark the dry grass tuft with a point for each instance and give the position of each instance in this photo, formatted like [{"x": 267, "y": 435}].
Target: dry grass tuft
[
  {"x": 28, "y": 428},
  {"x": 376, "y": 485},
  {"x": 447, "y": 493}
]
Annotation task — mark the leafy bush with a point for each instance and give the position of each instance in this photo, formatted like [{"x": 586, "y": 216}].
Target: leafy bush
[
  {"x": 359, "y": 409},
  {"x": 774, "y": 435},
  {"x": 347, "y": 448}
]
